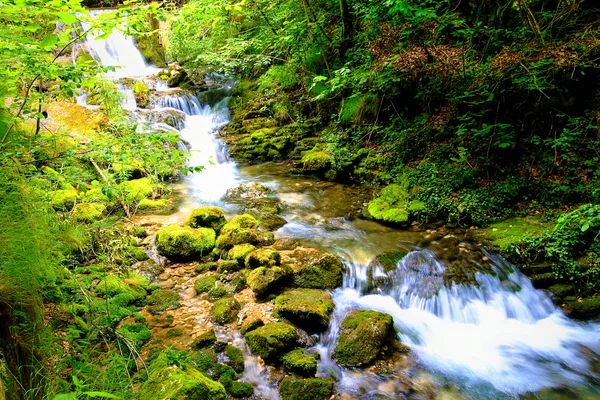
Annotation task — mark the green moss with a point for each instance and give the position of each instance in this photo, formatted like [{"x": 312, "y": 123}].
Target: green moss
[
  {"x": 389, "y": 260},
  {"x": 272, "y": 340},
  {"x": 138, "y": 334},
  {"x": 585, "y": 308},
  {"x": 236, "y": 358},
  {"x": 263, "y": 258},
  {"x": 299, "y": 362},
  {"x": 391, "y": 205},
  {"x": 292, "y": 388},
  {"x": 239, "y": 282},
  {"x": 163, "y": 299},
  {"x": 316, "y": 269},
  {"x": 224, "y": 266},
  {"x": 240, "y": 221},
  {"x": 250, "y": 325},
  {"x": 132, "y": 284},
  {"x": 137, "y": 189},
  {"x": 562, "y": 290},
  {"x": 205, "y": 283},
  {"x": 264, "y": 281},
  {"x": 363, "y": 336},
  {"x": 205, "y": 358},
  {"x": 137, "y": 231},
  {"x": 239, "y": 252},
  {"x": 94, "y": 196},
  {"x": 136, "y": 253},
  {"x": 142, "y": 93},
  {"x": 64, "y": 200},
  {"x": 307, "y": 308},
  {"x": 232, "y": 237},
  {"x": 205, "y": 339},
  {"x": 88, "y": 212},
  {"x": 504, "y": 234},
  {"x": 172, "y": 382},
  {"x": 316, "y": 161},
  {"x": 207, "y": 217},
  {"x": 218, "y": 292},
  {"x": 241, "y": 389},
  {"x": 147, "y": 204},
  {"x": 416, "y": 206},
  {"x": 182, "y": 243},
  {"x": 226, "y": 310}
]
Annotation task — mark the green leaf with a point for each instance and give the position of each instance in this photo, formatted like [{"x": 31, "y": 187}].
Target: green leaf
[
  {"x": 66, "y": 17},
  {"x": 585, "y": 227},
  {"x": 49, "y": 42},
  {"x": 101, "y": 394}
]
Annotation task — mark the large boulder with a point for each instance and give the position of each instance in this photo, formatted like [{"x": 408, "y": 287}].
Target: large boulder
[
  {"x": 232, "y": 237},
  {"x": 263, "y": 258},
  {"x": 272, "y": 340},
  {"x": 260, "y": 201},
  {"x": 249, "y": 190},
  {"x": 293, "y": 388},
  {"x": 226, "y": 310},
  {"x": 207, "y": 217},
  {"x": 299, "y": 362},
  {"x": 307, "y": 308},
  {"x": 265, "y": 281},
  {"x": 239, "y": 252},
  {"x": 184, "y": 243},
  {"x": 313, "y": 268},
  {"x": 363, "y": 336}
]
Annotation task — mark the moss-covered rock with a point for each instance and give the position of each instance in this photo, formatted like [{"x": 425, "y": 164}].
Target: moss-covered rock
[
  {"x": 239, "y": 253},
  {"x": 172, "y": 382},
  {"x": 264, "y": 281},
  {"x": 391, "y": 206},
  {"x": 226, "y": 310},
  {"x": 131, "y": 284},
  {"x": 137, "y": 253},
  {"x": 184, "y": 243},
  {"x": 205, "y": 339},
  {"x": 239, "y": 281},
  {"x": 307, "y": 308},
  {"x": 249, "y": 190},
  {"x": 236, "y": 358},
  {"x": 154, "y": 205},
  {"x": 137, "y": 231},
  {"x": 64, "y": 200},
  {"x": 224, "y": 266},
  {"x": 205, "y": 283},
  {"x": 241, "y": 221},
  {"x": 232, "y": 237},
  {"x": 384, "y": 262},
  {"x": 250, "y": 325},
  {"x": 141, "y": 91},
  {"x": 263, "y": 258},
  {"x": 363, "y": 336},
  {"x": 207, "y": 217},
  {"x": 240, "y": 390},
  {"x": 316, "y": 161},
  {"x": 218, "y": 292},
  {"x": 272, "y": 340},
  {"x": 314, "y": 269},
  {"x": 88, "y": 212},
  {"x": 163, "y": 299},
  {"x": 137, "y": 189},
  {"x": 300, "y": 363},
  {"x": 94, "y": 196},
  {"x": 168, "y": 116},
  {"x": 584, "y": 308},
  {"x": 292, "y": 388}
]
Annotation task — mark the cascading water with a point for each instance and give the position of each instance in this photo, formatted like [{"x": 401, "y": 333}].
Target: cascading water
[{"x": 497, "y": 337}]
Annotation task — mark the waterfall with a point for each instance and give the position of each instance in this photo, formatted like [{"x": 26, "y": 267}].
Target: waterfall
[{"x": 497, "y": 336}]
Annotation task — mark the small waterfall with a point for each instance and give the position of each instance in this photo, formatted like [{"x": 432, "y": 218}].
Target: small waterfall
[
  {"x": 500, "y": 335},
  {"x": 128, "y": 102},
  {"x": 182, "y": 101},
  {"x": 117, "y": 50}
]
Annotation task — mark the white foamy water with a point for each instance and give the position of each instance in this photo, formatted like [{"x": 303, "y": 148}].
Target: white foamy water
[{"x": 500, "y": 335}]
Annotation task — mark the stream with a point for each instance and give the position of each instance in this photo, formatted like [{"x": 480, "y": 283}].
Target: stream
[{"x": 493, "y": 337}]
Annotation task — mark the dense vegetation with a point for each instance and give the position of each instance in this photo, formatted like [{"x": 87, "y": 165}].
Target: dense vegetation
[{"x": 467, "y": 112}]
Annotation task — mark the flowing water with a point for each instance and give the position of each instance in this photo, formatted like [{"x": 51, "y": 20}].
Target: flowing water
[{"x": 494, "y": 336}]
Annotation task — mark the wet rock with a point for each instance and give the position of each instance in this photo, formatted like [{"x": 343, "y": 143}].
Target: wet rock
[
  {"x": 162, "y": 299},
  {"x": 292, "y": 388},
  {"x": 226, "y": 310},
  {"x": 249, "y": 190},
  {"x": 225, "y": 266},
  {"x": 309, "y": 309},
  {"x": 236, "y": 358},
  {"x": 232, "y": 237},
  {"x": 241, "y": 390},
  {"x": 205, "y": 339},
  {"x": 301, "y": 363},
  {"x": 207, "y": 217},
  {"x": 205, "y": 283},
  {"x": 381, "y": 266},
  {"x": 286, "y": 244},
  {"x": 265, "y": 281},
  {"x": 363, "y": 336},
  {"x": 168, "y": 116},
  {"x": 272, "y": 340},
  {"x": 313, "y": 268},
  {"x": 251, "y": 324},
  {"x": 184, "y": 243},
  {"x": 263, "y": 258},
  {"x": 583, "y": 308}
]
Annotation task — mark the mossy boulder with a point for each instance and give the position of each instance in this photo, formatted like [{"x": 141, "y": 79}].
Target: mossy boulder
[
  {"x": 299, "y": 362},
  {"x": 316, "y": 161},
  {"x": 94, "y": 196},
  {"x": 232, "y": 237},
  {"x": 224, "y": 266},
  {"x": 205, "y": 339},
  {"x": 241, "y": 390},
  {"x": 137, "y": 253},
  {"x": 64, "y": 200},
  {"x": 239, "y": 252},
  {"x": 384, "y": 262},
  {"x": 309, "y": 309},
  {"x": 218, "y": 292},
  {"x": 272, "y": 340},
  {"x": 184, "y": 243},
  {"x": 154, "y": 205},
  {"x": 205, "y": 283},
  {"x": 88, "y": 212},
  {"x": 393, "y": 205},
  {"x": 137, "y": 189},
  {"x": 207, "y": 217},
  {"x": 293, "y": 388},
  {"x": 133, "y": 285},
  {"x": 265, "y": 281},
  {"x": 173, "y": 382},
  {"x": 162, "y": 299},
  {"x": 240, "y": 221},
  {"x": 249, "y": 190},
  {"x": 363, "y": 336},
  {"x": 584, "y": 308},
  {"x": 250, "y": 325},
  {"x": 263, "y": 258},
  {"x": 236, "y": 358},
  {"x": 226, "y": 310},
  {"x": 314, "y": 269}
]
